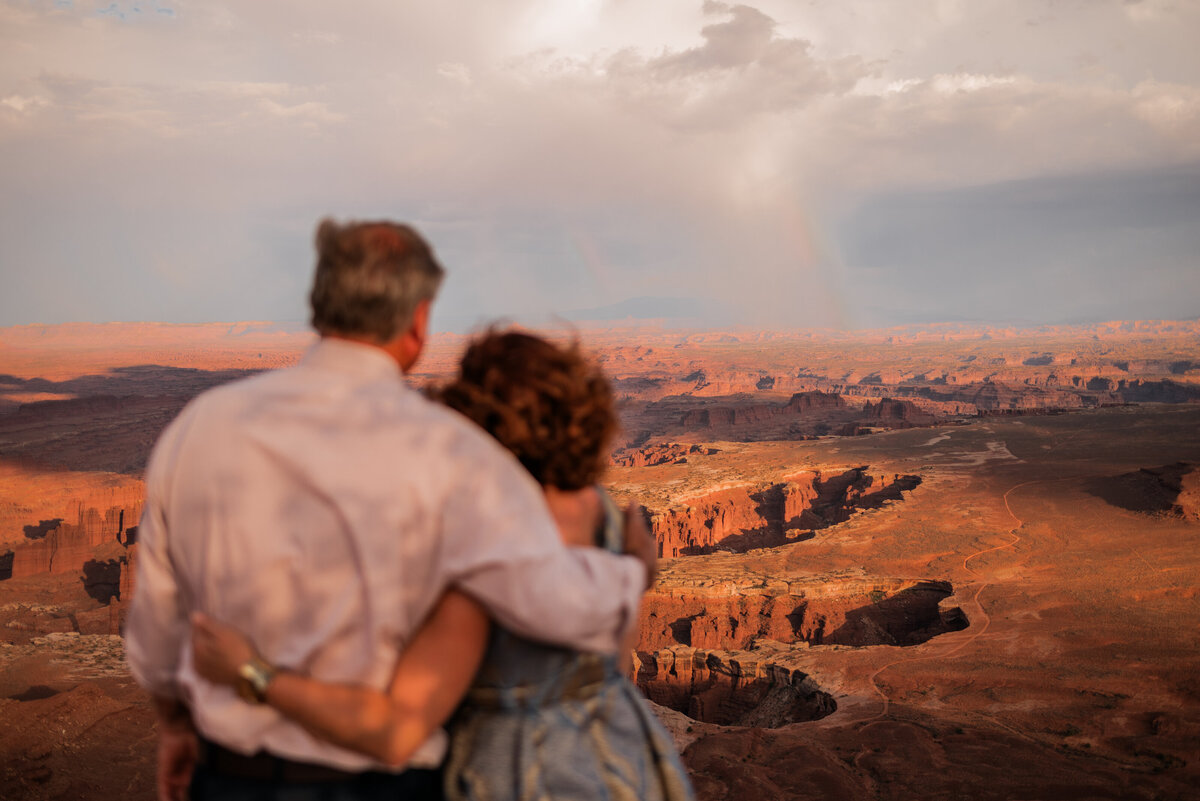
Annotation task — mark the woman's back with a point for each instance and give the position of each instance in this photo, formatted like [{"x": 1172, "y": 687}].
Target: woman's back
[{"x": 542, "y": 722}]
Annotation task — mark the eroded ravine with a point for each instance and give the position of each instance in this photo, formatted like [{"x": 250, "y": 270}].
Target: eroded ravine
[
  {"x": 851, "y": 612},
  {"x": 727, "y": 690},
  {"x": 699, "y": 650},
  {"x": 762, "y": 515}
]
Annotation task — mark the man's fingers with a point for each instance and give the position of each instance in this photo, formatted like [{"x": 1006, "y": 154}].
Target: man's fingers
[
  {"x": 202, "y": 642},
  {"x": 638, "y": 541}
]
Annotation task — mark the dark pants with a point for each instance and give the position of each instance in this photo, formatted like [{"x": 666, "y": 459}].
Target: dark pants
[{"x": 211, "y": 783}]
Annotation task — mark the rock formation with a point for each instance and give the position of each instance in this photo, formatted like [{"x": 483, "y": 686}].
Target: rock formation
[
  {"x": 747, "y": 516},
  {"x": 736, "y": 412},
  {"x": 66, "y": 547},
  {"x": 729, "y": 689},
  {"x": 897, "y": 414},
  {"x": 806, "y": 402},
  {"x": 665, "y": 453},
  {"x": 851, "y": 612}
]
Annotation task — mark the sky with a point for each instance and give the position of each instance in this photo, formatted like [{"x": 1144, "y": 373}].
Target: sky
[{"x": 779, "y": 164}]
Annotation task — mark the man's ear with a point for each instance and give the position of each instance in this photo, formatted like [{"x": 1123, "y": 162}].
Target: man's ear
[{"x": 410, "y": 342}]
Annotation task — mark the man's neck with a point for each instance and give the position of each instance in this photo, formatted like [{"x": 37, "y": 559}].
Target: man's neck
[{"x": 393, "y": 348}]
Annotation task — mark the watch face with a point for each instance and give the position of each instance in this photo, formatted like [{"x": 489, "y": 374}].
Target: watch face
[{"x": 253, "y": 678}]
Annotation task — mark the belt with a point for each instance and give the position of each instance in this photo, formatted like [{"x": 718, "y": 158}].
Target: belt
[{"x": 264, "y": 766}]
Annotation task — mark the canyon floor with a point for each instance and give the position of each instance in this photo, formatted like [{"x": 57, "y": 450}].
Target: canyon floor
[
  {"x": 1076, "y": 676},
  {"x": 987, "y": 586}
]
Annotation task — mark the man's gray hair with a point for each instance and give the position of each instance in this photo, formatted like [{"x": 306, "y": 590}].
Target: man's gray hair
[{"x": 370, "y": 278}]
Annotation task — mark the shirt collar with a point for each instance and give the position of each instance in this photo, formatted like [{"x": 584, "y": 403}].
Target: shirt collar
[{"x": 353, "y": 358}]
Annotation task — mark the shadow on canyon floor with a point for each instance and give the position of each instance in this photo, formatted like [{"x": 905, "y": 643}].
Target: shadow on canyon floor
[
  {"x": 142, "y": 379},
  {"x": 1170, "y": 489},
  {"x": 104, "y": 422}
]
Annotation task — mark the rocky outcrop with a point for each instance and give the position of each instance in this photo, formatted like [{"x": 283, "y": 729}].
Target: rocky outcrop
[
  {"x": 1137, "y": 391},
  {"x": 727, "y": 416},
  {"x": 739, "y": 518},
  {"x": 652, "y": 455},
  {"x": 721, "y": 620},
  {"x": 662, "y": 453},
  {"x": 1172, "y": 489},
  {"x": 125, "y": 591},
  {"x": 892, "y": 413},
  {"x": 729, "y": 689},
  {"x": 808, "y": 402},
  {"x": 67, "y": 546},
  {"x": 805, "y": 415},
  {"x": 747, "y": 516},
  {"x": 118, "y": 605},
  {"x": 755, "y": 413},
  {"x": 858, "y": 613}
]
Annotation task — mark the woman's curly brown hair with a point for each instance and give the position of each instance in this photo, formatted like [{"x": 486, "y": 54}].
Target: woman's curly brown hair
[{"x": 547, "y": 404}]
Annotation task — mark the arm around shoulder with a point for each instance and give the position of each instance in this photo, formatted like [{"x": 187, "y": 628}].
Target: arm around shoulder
[{"x": 501, "y": 547}]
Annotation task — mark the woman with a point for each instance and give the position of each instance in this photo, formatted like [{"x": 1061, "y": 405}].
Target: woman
[{"x": 537, "y": 721}]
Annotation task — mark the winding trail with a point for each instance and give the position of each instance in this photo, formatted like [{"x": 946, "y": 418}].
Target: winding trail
[
  {"x": 978, "y": 614},
  {"x": 987, "y": 621}
]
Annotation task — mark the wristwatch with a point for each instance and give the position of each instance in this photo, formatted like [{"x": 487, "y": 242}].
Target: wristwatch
[{"x": 253, "y": 678}]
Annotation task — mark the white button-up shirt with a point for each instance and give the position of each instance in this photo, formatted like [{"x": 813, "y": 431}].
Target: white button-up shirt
[{"x": 323, "y": 509}]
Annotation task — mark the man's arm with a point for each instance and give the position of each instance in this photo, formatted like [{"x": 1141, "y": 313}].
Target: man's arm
[
  {"x": 157, "y": 622},
  {"x": 501, "y": 547},
  {"x": 154, "y": 634}
]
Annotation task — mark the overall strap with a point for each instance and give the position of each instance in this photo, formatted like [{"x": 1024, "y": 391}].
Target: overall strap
[{"x": 611, "y": 534}]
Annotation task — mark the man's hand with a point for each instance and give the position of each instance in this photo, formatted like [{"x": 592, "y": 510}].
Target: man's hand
[
  {"x": 638, "y": 541},
  {"x": 178, "y": 750},
  {"x": 218, "y": 650}
]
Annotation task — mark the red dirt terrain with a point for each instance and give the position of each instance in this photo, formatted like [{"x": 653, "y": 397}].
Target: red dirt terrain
[
  {"x": 1002, "y": 631},
  {"x": 929, "y": 563}
]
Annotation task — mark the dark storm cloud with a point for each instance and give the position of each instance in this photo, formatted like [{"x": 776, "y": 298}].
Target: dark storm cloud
[{"x": 1056, "y": 249}]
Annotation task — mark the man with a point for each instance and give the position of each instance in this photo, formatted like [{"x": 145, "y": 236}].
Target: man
[{"x": 324, "y": 508}]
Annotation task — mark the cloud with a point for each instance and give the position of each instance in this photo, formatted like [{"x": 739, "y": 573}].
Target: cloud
[
  {"x": 567, "y": 155},
  {"x": 459, "y": 73},
  {"x": 21, "y": 104},
  {"x": 738, "y": 41},
  {"x": 1014, "y": 251},
  {"x": 310, "y": 113}
]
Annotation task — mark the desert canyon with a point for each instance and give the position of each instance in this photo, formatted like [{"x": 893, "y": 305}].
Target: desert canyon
[{"x": 935, "y": 562}]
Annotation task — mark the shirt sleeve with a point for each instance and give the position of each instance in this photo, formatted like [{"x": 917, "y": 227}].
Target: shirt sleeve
[
  {"x": 157, "y": 621},
  {"x": 501, "y": 546}
]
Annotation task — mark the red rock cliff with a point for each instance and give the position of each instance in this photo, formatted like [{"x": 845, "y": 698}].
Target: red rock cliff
[
  {"x": 747, "y": 516},
  {"x": 66, "y": 547}
]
